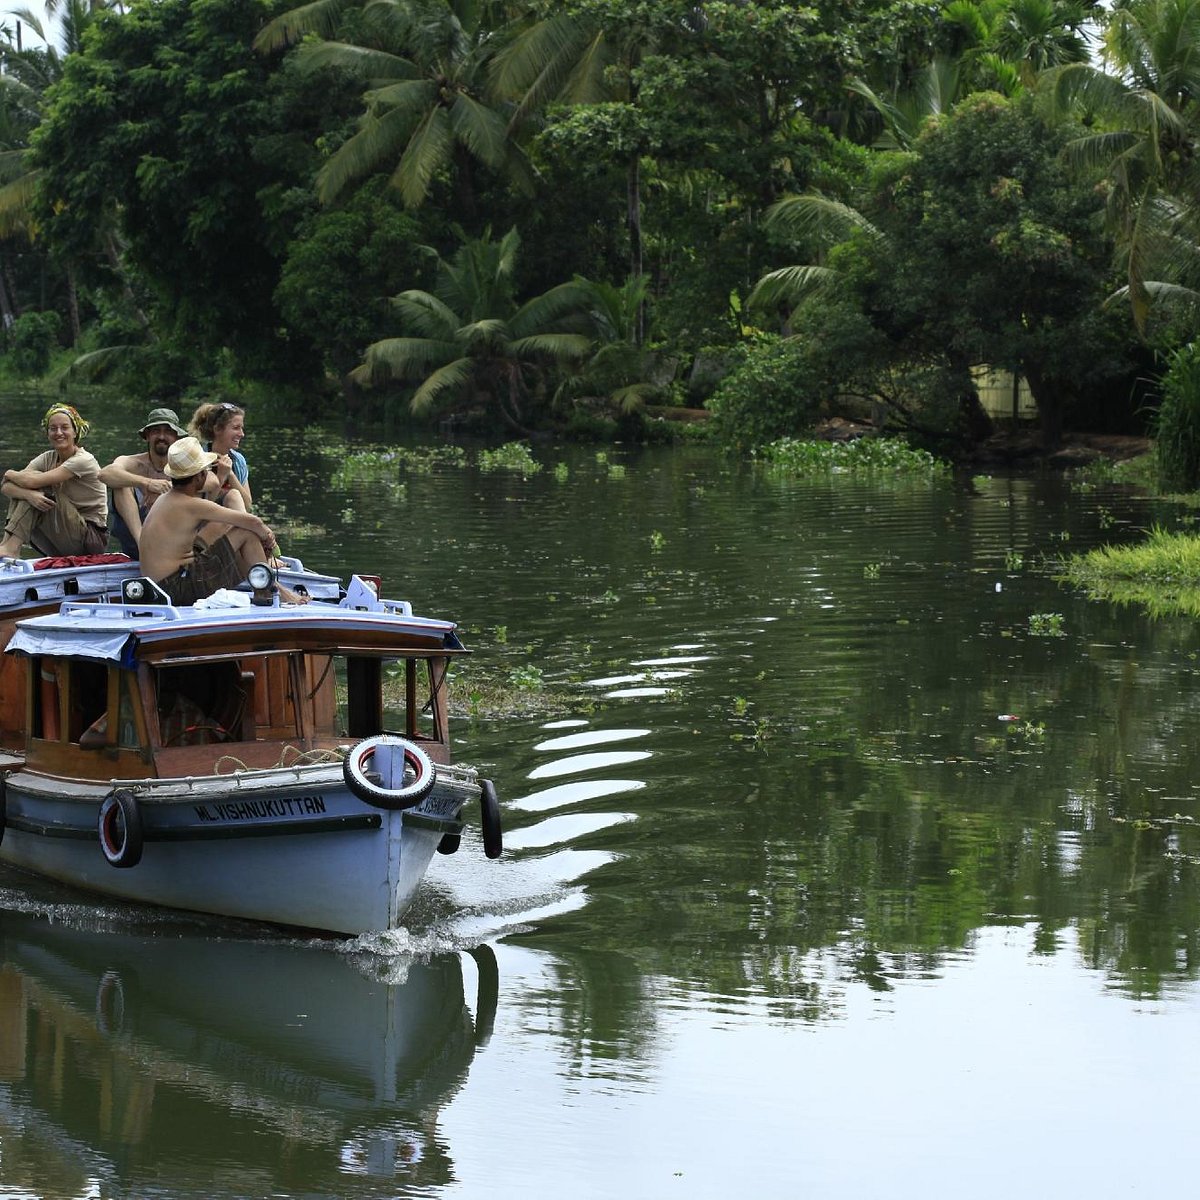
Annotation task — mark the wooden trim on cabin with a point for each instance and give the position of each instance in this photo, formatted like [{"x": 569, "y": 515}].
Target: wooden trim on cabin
[
  {"x": 439, "y": 670},
  {"x": 410, "y": 696}
]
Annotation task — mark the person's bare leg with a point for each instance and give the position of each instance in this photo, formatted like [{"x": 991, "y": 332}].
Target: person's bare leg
[{"x": 249, "y": 550}]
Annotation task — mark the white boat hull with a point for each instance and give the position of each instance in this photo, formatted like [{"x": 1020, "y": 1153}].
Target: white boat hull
[{"x": 290, "y": 846}]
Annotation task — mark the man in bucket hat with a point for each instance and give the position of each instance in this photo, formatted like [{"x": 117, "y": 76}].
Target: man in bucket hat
[
  {"x": 137, "y": 480},
  {"x": 191, "y": 546}
]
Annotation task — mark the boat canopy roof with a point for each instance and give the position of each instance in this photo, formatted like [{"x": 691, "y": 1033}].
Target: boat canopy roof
[{"x": 126, "y": 633}]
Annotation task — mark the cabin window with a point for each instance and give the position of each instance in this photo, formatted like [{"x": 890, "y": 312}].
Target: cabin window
[
  {"x": 87, "y": 696},
  {"x": 80, "y": 692},
  {"x": 202, "y": 703},
  {"x": 356, "y": 696}
]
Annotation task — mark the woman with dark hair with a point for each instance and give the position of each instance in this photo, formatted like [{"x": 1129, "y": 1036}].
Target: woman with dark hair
[
  {"x": 57, "y": 504},
  {"x": 220, "y": 427}
]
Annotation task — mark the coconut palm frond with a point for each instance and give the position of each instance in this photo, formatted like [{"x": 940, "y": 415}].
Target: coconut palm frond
[
  {"x": 550, "y": 58},
  {"x": 1084, "y": 86},
  {"x": 791, "y": 285},
  {"x": 565, "y": 300},
  {"x": 488, "y": 331},
  {"x": 614, "y": 310},
  {"x": 321, "y": 17},
  {"x": 98, "y": 365},
  {"x": 450, "y": 382},
  {"x": 363, "y": 62},
  {"x": 401, "y": 358},
  {"x": 425, "y": 315},
  {"x": 28, "y": 17},
  {"x": 1000, "y": 74},
  {"x": 633, "y": 396},
  {"x": 427, "y": 152},
  {"x": 378, "y": 140},
  {"x": 567, "y": 346},
  {"x": 896, "y": 134},
  {"x": 481, "y": 129},
  {"x": 16, "y": 202},
  {"x": 829, "y": 220}
]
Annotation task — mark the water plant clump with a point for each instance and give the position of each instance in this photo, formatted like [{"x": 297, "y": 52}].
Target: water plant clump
[
  {"x": 382, "y": 464},
  {"x": 1046, "y": 625},
  {"x": 877, "y": 457},
  {"x": 1162, "y": 573},
  {"x": 512, "y": 456}
]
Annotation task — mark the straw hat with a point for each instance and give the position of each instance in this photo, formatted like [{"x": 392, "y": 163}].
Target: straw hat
[
  {"x": 186, "y": 458},
  {"x": 163, "y": 416}
]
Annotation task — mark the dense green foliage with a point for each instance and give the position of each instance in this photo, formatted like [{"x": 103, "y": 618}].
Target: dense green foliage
[
  {"x": 1178, "y": 422},
  {"x": 223, "y": 191}
]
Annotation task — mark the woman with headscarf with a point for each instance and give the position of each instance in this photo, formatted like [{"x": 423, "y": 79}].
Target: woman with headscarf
[{"x": 57, "y": 504}]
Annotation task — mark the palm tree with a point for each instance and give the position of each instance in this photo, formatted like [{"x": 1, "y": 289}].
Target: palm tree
[
  {"x": 470, "y": 342},
  {"x": 422, "y": 64},
  {"x": 1145, "y": 140},
  {"x": 26, "y": 73},
  {"x": 572, "y": 58}
]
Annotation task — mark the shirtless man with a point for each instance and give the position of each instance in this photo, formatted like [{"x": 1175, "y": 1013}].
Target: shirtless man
[
  {"x": 137, "y": 480},
  {"x": 191, "y": 546}
]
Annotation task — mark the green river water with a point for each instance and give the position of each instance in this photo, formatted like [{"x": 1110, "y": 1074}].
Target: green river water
[{"x": 787, "y": 909}]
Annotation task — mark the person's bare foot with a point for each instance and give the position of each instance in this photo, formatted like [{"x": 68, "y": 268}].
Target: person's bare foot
[{"x": 287, "y": 596}]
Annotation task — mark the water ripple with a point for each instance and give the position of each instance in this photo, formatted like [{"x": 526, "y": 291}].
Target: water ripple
[{"x": 587, "y": 762}]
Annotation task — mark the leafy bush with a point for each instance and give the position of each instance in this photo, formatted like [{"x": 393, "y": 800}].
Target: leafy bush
[
  {"x": 1177, "y": 424},
  {"x": 32, "y": 339},
  {"x": 781, "y": 386}
]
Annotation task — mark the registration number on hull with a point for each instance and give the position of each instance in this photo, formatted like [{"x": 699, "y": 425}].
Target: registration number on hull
[{"x": 439, "y": 806}]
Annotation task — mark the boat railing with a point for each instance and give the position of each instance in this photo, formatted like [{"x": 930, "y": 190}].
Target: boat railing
[{"x": 102, "y": 608}]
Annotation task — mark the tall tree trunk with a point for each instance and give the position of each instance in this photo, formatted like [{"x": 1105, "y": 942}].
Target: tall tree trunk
[
  {"x": 73, "y": 305},
  {"x": 633, "y": 218},
  {"x": 7, "y": 313},
  {"x": 1048, "y": 396}
]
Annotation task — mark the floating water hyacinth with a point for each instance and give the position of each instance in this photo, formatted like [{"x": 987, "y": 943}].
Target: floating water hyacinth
[{"x": 877, "y": 457}]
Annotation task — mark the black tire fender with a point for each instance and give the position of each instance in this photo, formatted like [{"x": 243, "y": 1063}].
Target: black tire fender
[
  {"x": 355, "y": 767},
  {"x": 120, "y": 828},
  {"x": 489, "y": 804}
]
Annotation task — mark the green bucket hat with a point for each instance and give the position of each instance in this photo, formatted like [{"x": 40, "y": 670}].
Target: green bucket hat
[{"x": 163, "y": 416}]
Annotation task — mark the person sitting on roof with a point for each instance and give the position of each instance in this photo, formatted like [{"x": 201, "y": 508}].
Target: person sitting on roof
[
  {"x": 137, "y": 480},
  {"x": 190, "y": 546},
  {"x": 57, "y": 504}
]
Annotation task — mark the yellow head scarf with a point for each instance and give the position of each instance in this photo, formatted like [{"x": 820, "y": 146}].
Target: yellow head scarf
[{"x": 81, "y": 426}]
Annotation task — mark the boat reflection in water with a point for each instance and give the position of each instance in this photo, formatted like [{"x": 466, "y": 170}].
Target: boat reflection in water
[{"x": 197, "y": 1066}]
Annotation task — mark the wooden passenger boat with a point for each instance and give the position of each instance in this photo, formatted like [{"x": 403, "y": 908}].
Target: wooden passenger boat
[
  {"x": 32, "y": 586},
  {"x": 234, "y": 760}
]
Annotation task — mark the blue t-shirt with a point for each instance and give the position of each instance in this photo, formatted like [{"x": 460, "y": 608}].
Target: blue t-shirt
[{"x": 241, "y": 469}]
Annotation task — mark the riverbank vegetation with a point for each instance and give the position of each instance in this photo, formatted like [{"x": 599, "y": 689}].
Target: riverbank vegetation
[
  {"x": 570, "y": 216},
  {"x": 1160, "y": 574}
]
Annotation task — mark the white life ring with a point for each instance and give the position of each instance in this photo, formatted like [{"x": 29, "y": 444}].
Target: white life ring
[
  {"x": 120, "y": 829},
  {"x": 389, "y": 749}
]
